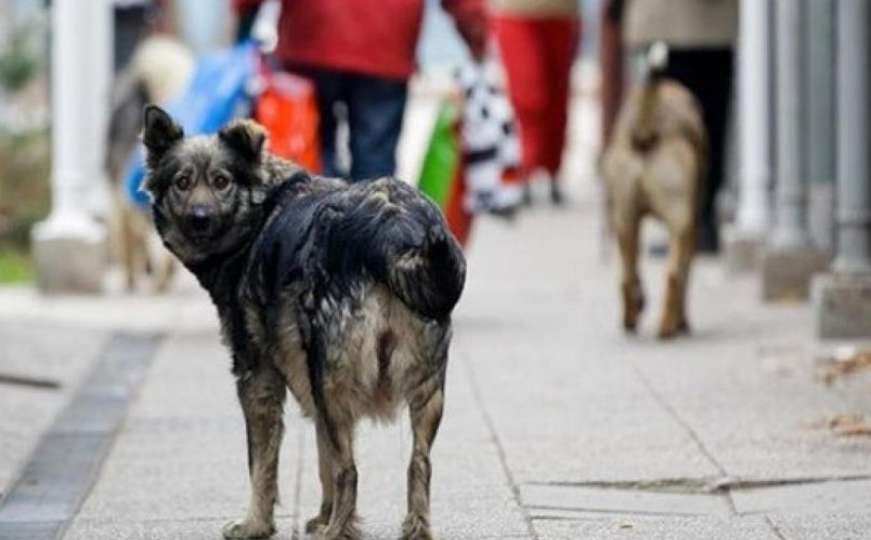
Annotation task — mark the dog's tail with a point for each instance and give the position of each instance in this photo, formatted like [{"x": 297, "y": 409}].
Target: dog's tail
[
  {"x": 644, "y": 132},
  {"x": 430, "y": 279}
]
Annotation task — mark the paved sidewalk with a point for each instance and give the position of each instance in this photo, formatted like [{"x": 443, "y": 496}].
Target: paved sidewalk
[{"x": 557, "y": 425}]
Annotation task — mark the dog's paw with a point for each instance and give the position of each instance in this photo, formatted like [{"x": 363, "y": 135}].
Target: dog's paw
[
  {"x": 348, "y": 532},
  {"x": 241, "y": 529},
  {"x": 669, "y": 329},
  {"x": 416, "y": 528},
  {"x": 316, "y": 524},
  {"x": 326, "y": 531}
]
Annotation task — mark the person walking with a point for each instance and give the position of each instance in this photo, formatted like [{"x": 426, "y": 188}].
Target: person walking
[
  {"x": 359, "y": 55},
  {"x": 537, "y": 41},
  {"x": 700, "y": 35}
]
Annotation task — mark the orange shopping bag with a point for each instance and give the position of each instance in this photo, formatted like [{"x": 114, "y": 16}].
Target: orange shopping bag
[{"x": 287, "y": 108}]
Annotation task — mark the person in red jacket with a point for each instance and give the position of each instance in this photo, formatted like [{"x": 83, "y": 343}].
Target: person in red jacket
[{"x": 360, "y": 55}]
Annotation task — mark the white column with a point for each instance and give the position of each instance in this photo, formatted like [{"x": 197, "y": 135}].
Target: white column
[
  {"x": 743, "y": 240},
  {"x": 854, "y": 134},
  {"x": 790, "y": 223},
  {"x": 69, "y": 246},
  {"x": 843, "y": 296},
  {"x": 753, "y": 109},
  {"x": 790, "y": 260},
  {"x": 819, "y": 49}
]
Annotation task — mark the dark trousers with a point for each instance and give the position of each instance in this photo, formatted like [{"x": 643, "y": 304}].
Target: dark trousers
[
  {"x": 708, "y": 74},
  {"x": 372, "y": 106}
]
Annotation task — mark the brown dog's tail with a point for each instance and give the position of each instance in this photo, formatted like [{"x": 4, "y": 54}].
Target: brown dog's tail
[{"x": 644, "y": 132}]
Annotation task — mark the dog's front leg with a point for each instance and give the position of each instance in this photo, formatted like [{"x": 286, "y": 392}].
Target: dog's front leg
[
  {"x": 426, "y": 415},
  {"x": 261, "y": 395}
]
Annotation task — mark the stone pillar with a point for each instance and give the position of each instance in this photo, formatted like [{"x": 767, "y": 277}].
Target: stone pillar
[
  {"x": 69, "y": 247},
  {"x": 843, "y": 296},
  {"x": 820, "y": 54},
  {"x": 790, "y": 259},
  {"x": 743, "y": 241}
]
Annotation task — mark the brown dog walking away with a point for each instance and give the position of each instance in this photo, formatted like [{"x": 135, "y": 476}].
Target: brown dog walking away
[
  {"x": 340, "y": 292},
  {"x": 655, "y": 165}
]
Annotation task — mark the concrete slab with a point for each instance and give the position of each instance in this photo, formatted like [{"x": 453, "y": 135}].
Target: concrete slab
[
  {"x": 843, "y": 306},
  {"x": 834, "y": 497},
  {"x": 654, "y": 528},
  {"x": 208, "y": 529},
  {"x": 742, "y": 252},
  {"x": 787, "y": 273},
  {"x": 55, "y": 353},
  {"x": 570, "y": 500},
  {"x": 822, "y": 525}
]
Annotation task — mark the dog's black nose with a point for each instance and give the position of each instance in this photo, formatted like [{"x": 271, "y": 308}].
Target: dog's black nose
[{"x": 200, "y": 218}]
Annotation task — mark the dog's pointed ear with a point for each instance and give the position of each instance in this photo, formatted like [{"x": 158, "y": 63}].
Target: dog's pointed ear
[
  {"x": 160, "y": 132},
  {"x": 246, "y": 137}
]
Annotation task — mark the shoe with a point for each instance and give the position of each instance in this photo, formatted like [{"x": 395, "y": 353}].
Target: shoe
[
  {"x": 556, "y": 193},
  {"x": 526, "y": 200},
  {"x": 708, "y": 240}
]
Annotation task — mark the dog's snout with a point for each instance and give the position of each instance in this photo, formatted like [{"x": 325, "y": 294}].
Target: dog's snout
[{"x": 200, "y": 218}]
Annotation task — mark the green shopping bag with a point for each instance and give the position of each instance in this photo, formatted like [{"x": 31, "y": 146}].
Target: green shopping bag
[
  {"x": 442, "y": 174},
  {"x": 442, "y": 157}
]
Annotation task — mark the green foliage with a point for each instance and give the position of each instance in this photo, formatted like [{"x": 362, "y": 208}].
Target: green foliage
[
  {"x": 18, "y": 63},
  {"x": 15, "y": 267},
  {"x": 24, "y": 188}
]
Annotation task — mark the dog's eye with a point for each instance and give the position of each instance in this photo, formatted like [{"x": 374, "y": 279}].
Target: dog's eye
[
  {"x": 221, "y": 181},
  {"x": 183, "y": 182}
]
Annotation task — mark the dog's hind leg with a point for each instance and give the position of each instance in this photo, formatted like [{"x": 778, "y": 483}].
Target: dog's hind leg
[
  {"x": 633, "y": 296},
  {"x": 325, "y": 472},
  {"x": 261, "y": 395},
  {"x": 674, "y": 320},
  {"x": 340, "y": 450},
  {"x": 426, "y": 413}
]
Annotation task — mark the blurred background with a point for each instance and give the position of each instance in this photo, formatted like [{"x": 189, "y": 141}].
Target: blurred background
[{"x": 754, "y": 425}]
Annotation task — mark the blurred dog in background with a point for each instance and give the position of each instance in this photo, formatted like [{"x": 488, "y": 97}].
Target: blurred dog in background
[
  {"x": 160, "y": 69},
  {"x": 655, "y": 164}
]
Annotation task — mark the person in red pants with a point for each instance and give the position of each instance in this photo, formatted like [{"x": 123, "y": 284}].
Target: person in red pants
[{"x": 537, "y": 42}]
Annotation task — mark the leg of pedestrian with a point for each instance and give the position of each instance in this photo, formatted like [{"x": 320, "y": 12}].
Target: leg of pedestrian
[{"x": 376, "y": 106}]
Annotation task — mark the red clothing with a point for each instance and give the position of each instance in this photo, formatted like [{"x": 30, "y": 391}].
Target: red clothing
[
  {"x": 373, "y": 37},
  {"x": 538, "y": 55}
]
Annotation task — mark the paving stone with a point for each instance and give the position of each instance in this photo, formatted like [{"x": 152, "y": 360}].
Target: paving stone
[
  {"x": 822, "y": 525},
  {"x": 831, "y": 497},
  {"x": 571, "y": 499},
  {"x": 207, "y": 529},
  {"x": 654, "y": 528},
  {"x": 44, "y": 351}
]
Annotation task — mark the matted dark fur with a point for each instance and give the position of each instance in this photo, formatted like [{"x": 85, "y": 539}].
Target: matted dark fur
[{"x": 340, "y": 292}]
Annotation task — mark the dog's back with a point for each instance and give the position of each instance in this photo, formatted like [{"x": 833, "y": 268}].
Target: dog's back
[{"x": 657, "y": 157}]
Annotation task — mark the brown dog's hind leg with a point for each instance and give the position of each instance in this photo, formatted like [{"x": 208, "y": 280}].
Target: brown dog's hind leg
[
  {"x": 633, "y": 296},
  {"x": 325, "y": 472},
  {"x": 426, "y": 414},
  {"x": 674, "y": 320},
  {"x": 342, "y": 524},
  {"x": 262, "y": 396}
]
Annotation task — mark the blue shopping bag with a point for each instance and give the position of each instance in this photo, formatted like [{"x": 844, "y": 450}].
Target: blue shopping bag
[{"x": 218, "y": 92}]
